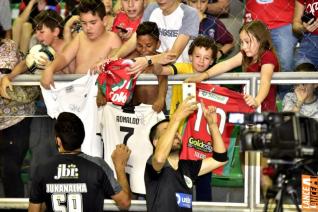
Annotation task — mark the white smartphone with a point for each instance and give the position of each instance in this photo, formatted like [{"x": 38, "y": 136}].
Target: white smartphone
[{"x": 188, "y": 89}]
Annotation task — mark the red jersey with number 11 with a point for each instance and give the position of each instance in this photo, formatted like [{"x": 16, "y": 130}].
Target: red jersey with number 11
[{"x": 196, "y": 139}]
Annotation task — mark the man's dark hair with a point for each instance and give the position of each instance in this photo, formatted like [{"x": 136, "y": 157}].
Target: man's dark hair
[
  {"x": 306, "y": 67},
  {"x": 93, "y": 6},
  {"x": 70, "y": 129},
  {"x": 148, "y": 28},
  {"x": 153, "y": 134},
  {"x": 51, "y": 19},
  {"x": 206, "y": 42}
]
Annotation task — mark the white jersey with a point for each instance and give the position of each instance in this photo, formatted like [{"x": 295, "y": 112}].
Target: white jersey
[
  {"x": 78, "y": 97},
  {"x": 131, "y": 128}
]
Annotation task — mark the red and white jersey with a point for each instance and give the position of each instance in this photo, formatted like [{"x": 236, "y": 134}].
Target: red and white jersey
[
  {"x": 196, "y": 138},
  {"x": 130, "y": 127},
  {"x": 116, "y": 84},
  {"x": 78, "y": 97}
]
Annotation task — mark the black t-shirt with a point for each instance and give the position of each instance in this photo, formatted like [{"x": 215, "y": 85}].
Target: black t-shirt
[
  {"x": 73, "y": 181},
  {"x": 171, "y": 190}
]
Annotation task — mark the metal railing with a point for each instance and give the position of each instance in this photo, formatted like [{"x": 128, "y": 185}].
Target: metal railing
[{"x": 252, "y": 167}]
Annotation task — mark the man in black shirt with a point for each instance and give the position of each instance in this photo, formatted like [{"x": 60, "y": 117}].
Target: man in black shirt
[
  {"x": 74, "y": 181},
  {"x": 168, "y": 179}
]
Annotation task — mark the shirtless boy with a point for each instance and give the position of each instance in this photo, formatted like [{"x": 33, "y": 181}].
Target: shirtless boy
[
  {"x": 147, "y": 44},
  {"x": 89, "y": 47}
]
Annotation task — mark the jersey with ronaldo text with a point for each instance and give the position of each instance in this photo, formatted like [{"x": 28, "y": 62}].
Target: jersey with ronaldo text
[
  {"x": 196, "y": 139},
  {"x": 131, "y": 127}
]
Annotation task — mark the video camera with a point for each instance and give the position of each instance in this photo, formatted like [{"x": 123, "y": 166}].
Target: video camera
[{"x": 286, "y": 136}]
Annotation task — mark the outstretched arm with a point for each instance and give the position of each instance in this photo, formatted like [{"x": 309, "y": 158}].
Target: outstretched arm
[
  {"x": 120, "y": 157},
  {"x": 165, "y": 141},
  {"x": 219, "y": 151},
  {"x": 218, "y": 69}
]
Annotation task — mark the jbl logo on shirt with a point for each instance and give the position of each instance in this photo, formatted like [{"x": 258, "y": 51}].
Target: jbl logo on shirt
[{"x": 184, "y": 200}]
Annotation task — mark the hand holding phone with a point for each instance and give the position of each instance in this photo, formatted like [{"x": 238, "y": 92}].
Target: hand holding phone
[
  {"x": 188, "y": 89},
  {"x": 307, "y": 17},
  {"x": 123, "y": 30}
]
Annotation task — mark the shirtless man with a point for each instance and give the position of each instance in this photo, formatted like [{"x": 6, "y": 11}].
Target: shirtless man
[{"x": 89, "y": 47}]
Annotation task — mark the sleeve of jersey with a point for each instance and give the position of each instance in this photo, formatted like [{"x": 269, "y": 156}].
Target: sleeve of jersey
[
  {"x": 190, "y": 22},
  {"x": 269, "y": 58},
  {"x": 36, "y": 191},
  {"x": 191, "y": 166},
  {"x": 110, "y": 184},
  {"x": 223, "y": 36},
  {"x": 149, "y": 9}
]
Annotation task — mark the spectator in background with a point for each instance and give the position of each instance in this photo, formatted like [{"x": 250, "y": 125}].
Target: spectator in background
[
  {"x": 303, "y": 100},
  {"x": 308, "y": 49},
  {"x": 212, "y": 27},
  {"x": 89, "y": 46},
  {"x": 169, "y": 181},
  {"x": 89, "y": 181},
  {"x": 278, "y": 16},
  {"x": 257, "y": 55},
  {"x": 23, "y": 25},
  {"x": 14, "y": 126},
  {"x": 5, "y": 17},
  {"x": 110, "y": 15},
  {"x": 129, "y": 18},
  {"x": 218, "y": 7}
]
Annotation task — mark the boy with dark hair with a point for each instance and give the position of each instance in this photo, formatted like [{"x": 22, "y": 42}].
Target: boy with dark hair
[
  {"x": 48, "y": 31},
  {"x": 89, "y": 46},
  {"x": 66, "y": 180},
  {"x": 50, "y": 19},
  {"x": 147, "y": 44},
  {"x": 168, "y": 179}
]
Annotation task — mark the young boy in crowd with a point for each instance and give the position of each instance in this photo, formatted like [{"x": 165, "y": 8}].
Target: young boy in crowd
[
  {"x": 147, "y": 44},
  {"x": 212, "y": 27},
  {"x": 89, "y": 47},
  {"x": 127, "y": 20},
  {"x": 303, "y": 100},
  {"x": 48, "y": 31},
  {"x": 202, "y": 54}
]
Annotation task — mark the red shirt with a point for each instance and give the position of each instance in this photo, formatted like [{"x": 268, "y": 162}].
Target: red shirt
[
  {"x": 311, "y": 6},
  {"x": 196, "y": 140},
  {"x": 125, "y": 22},
  {"x": 268, "y": 57},
  {"x": 274, "y": 13}
]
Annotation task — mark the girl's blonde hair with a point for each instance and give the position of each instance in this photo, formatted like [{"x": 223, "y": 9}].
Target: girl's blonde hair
[{"x": 260, "y": 31}]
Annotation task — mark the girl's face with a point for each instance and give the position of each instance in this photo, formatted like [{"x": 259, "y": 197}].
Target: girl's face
[
  {"x": 249, "y": 44},
  {"x": 201, "y": 58}
]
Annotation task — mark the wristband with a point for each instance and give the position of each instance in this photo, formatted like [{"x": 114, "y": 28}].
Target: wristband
[{"x": 221, "y": 157}]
